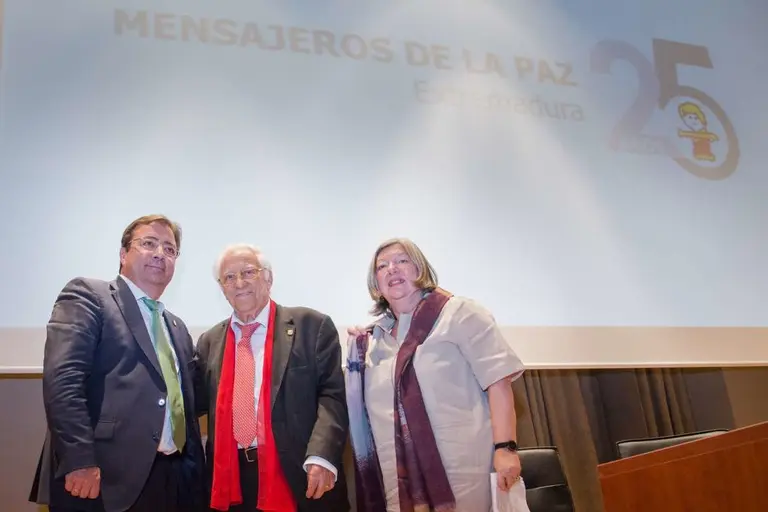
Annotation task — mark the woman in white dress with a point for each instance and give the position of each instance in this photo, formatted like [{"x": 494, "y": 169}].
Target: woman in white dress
[{"x": 429, "y": 392}]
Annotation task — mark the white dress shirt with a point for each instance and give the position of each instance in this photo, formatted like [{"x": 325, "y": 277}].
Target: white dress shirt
[
  {"x": 258, "y": 341},
  {"x": 166, "y": 445}
]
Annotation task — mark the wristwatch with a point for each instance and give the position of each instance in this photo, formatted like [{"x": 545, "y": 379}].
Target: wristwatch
[{"x": 507, "y": 445}]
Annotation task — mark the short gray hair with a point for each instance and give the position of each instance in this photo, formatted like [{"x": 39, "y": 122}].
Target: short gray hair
[{"x": 263, "y": 261}]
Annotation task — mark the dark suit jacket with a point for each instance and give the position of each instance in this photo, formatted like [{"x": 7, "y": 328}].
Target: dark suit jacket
[
  {"x": 309, "y": 408},
  {"x": 102, "y": 385}
]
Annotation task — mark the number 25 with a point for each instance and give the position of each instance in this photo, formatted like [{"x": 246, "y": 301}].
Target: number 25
[{"x": 658, "y": 85}]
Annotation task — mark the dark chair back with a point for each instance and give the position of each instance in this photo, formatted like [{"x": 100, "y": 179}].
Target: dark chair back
[
  {"x": 546, "y": 488},
  {"x": 632, "y": 447}
]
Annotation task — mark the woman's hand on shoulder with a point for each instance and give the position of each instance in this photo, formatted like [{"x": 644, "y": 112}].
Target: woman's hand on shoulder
[{"x": 357, "y": 330}]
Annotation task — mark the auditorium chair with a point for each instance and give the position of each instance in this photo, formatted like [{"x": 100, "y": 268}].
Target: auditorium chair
[
  {"x": 631, "y": 447},
  {"x": 546, "y": 488}
]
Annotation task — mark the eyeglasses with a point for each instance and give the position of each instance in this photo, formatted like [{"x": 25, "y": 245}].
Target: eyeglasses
[
  {"x": 248, "y": 274},
  {"x": 150, "y": 244}
]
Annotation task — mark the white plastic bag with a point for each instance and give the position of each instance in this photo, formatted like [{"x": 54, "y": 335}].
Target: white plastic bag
[{"x": 510, "y": 501}]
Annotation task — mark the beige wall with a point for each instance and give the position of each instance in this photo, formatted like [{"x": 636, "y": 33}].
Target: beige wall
[{"x": 22, "y": 423}]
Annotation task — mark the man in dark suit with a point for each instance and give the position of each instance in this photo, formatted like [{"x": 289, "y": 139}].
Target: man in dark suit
[
  {"x": 118, "y": 389},
  {"x": 270, "y": 380}
]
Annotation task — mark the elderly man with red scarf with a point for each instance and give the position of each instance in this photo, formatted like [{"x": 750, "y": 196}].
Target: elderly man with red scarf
[{"x": 270, "y": 379}]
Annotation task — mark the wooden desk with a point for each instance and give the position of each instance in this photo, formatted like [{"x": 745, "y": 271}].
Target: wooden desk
[{"x": 723, "y": 473}]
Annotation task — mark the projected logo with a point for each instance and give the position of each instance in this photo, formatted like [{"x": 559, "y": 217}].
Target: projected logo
[{"x": 699, "y": 134}]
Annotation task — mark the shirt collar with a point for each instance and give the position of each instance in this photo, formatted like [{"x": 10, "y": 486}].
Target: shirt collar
[
  {"x": 386, "y": 322},
  {"x": 139, "y": 294},
  {"x": 262, "y": 318},
  {"x": 383, "y": 325}
]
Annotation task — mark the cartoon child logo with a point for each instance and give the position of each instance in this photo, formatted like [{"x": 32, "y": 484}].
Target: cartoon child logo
[{"x": 696, "y": 121}]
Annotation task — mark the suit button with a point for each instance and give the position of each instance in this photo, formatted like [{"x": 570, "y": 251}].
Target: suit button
[
  {"x": 155, "y": 436},
  {"x": 161, "y": 402}
]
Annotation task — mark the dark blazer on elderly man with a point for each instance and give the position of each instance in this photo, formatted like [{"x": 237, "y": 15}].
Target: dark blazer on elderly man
[{"x": 309, "y": 408}]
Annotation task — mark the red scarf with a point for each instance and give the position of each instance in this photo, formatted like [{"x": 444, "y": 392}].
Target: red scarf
[{"x": 274, "y": 493}]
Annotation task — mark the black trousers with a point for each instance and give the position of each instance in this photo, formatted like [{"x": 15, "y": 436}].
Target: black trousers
[
  {"x": 249, "y": 481},
  {"x": 160, "y": 493}
]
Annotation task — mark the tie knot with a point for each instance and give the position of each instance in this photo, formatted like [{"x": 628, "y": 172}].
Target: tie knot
[
  {"x": 248, "y": 329},
  {"x": 151, "y": 303}
]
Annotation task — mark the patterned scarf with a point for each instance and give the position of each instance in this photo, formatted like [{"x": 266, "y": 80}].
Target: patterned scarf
[{"x": 422, "y": 482}]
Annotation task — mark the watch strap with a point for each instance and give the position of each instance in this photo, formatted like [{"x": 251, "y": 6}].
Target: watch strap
[{"x": 506, "y": 445}]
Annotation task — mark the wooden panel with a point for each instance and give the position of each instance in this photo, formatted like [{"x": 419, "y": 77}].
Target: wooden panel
[
  {"x": 727, "y": 472},
  {"x": 708, "y": 444}
]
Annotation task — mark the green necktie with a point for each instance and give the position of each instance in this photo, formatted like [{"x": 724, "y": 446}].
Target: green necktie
[{"x": 165, "y": 356}]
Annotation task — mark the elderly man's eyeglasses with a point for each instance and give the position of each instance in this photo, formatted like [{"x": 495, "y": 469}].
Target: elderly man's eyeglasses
[
  {"x": 248, "y": 274},
  {"x": 150, "y": 244}
]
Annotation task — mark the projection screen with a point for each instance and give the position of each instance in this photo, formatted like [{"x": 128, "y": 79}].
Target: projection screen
[{"x": 594, "y": 173}]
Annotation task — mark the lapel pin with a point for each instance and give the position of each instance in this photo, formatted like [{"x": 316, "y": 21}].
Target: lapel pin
[
  {"x": 289, "y": 332},
  {"x": 174, "y": 323}
]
